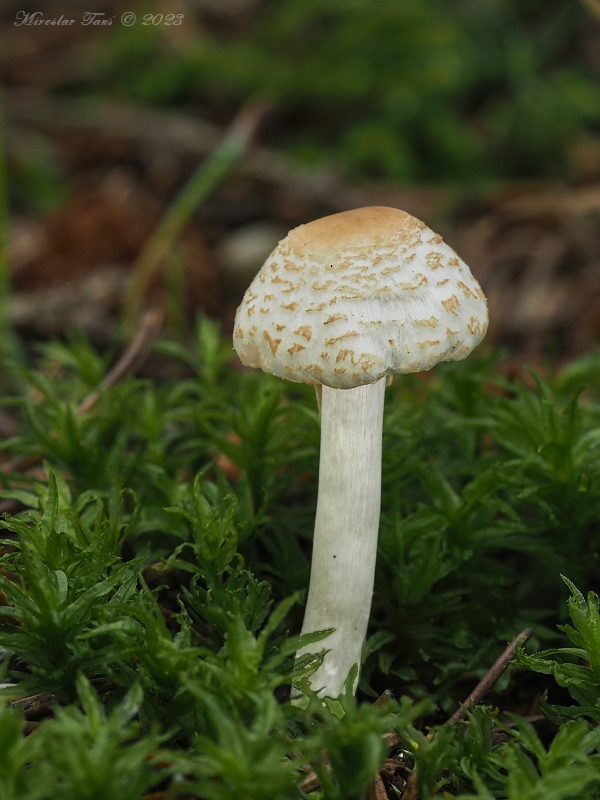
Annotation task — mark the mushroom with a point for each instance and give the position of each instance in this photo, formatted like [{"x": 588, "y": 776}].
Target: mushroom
[{"x": 345, "y": 302}]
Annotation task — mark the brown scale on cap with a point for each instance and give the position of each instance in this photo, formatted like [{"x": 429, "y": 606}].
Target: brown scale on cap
[
  {"x": 305, "y": 331},
  {"x": 451, "y": 304},
  {"x": 273, "y": 343}
]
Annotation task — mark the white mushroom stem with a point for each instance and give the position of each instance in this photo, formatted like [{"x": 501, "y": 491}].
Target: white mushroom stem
[{"x": 346, "y": 528}]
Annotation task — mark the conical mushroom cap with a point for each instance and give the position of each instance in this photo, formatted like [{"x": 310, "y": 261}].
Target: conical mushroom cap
[{"x": 350, "y": 298}]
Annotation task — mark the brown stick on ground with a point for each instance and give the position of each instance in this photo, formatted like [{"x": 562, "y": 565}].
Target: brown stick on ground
[
  {"x": 132, "y": 358},
  {"x": 39, "y": 705},
  {"x": 187, "y": 136},
  {"x": 483, "y": 687},
  {"x": 35, "y": 706},
  {"x": 234, "y": 145},
  {"x": 130, "y": 361},
  {"x": 493, "y": 674}
]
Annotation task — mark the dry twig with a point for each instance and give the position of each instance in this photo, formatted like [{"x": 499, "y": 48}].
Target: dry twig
[
  {"x": 311, "y": 782},
  {"x": 207, "y": 177},
  {"x": 483, "y": 687},
  {"x": 132, "y": 358},
  {"x": 130, "y": 361},
  {"x": 492, "y": 676},
  {"x": 36, "y": 706},
  {"x": 39, "y": 705},
  {"x": 186, "y": 135}
]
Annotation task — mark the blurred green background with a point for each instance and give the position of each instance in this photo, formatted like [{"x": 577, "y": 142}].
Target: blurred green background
[
  {"x": 411, "y": 90},
  {"x": 446, "y": 108},
  {"x": 465, "y": 91}
]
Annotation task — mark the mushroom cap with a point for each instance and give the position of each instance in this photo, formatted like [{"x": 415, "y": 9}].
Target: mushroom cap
[{"x": 352, "y": 297}]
